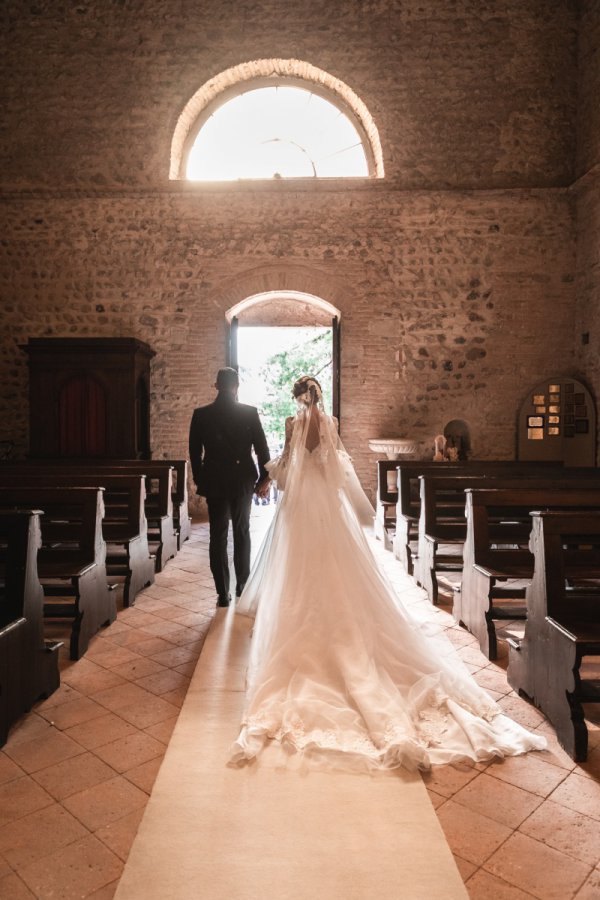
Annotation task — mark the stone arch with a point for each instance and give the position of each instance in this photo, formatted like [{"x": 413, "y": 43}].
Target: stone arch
[
  {"x": 264, "y": 71},
  {"x": 288, "y": 307},
  {"x": 292, "y": 280}
]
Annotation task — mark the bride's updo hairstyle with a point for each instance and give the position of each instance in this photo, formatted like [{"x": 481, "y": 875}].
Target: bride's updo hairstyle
[{"x": 307, "y": 390}]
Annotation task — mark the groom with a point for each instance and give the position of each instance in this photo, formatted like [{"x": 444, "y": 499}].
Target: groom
[{"x": 222, "y": 436}]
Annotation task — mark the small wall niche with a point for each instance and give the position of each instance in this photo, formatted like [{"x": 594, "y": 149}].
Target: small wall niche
[{"x": 557, "y": 421}]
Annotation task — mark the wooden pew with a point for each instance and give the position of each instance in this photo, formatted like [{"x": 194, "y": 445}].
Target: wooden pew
[
  {"x": 563, "y": 624},
  {"x": 385, "y": 505},
  {"x": 181, "y": 515},
  {"x": 497, "y": 562},
  {"x": 124, "y": 526},
  {"x": 442, "y": 520},
  {"x": 28, "y": 664},
  {"x": 408, "y": 503},
  {"x": 71, "y": 563},
  {"x": 162, "y": 536}
]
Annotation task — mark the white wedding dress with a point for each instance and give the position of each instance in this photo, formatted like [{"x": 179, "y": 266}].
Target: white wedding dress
[{"x": 338, "y": 668}]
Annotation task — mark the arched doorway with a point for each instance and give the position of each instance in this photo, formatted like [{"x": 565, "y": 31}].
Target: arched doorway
[{"x": 287, "y": 309}]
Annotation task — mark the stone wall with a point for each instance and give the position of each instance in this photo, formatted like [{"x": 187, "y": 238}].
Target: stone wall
[
  {"x": 452, "y": 305},
  {"x": 586, "y": 192},
  {"x": 467, "y": 93},
  {"x": 455, "y": 274}
]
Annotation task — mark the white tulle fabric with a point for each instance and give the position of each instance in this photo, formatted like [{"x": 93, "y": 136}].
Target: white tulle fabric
[{"x": 338, "y": 668}]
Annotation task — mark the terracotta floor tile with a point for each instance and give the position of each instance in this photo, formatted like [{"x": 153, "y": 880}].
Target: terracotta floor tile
[
  {"x": 9, "y": 770},
  {"x": 161, "y": 628},
  {"x": 129, "y": 752},
  {"x": 493, "y": 679},
  {"x": 5, "y": 869},
  {"x": 484, "y": 886},
  {"x": 162, "y": 731},
  {"x": 565, "y": 830},
  {"x": 188, "y": 668},
  {"x": 139, "y": 668},
  {"x": 521, "y": 711},
  {"x": 190, "y": 619},
  {"x": 38, "y": 834},
  {"x": 185, "y": 637},
  {"x": 74, "y": 775},
  {"x": 554, "y": 753},
  {"x": 164, "y": 681},
  {"x": 149, "y": 646},
  {"x": 13, "y": 888},
  {"x": 147, "y": 602},
  {"x": 500, "y": 801},
  {"x": 470, "y": 835},
  {"x": 591, "y": 767},
  {"x": 465, "y": 867},
  {"x": 168, "y": 612},
  {"x": 579, "y": 793},
  {"x": 150, "y": 711},
  {"x": 118, "y": 836},
  {"x": 129, "y": 639},
  {"x": 73, "y": 872},
  {"x": 123, "y": 695},
  {"x": 137, "y": 618},
  {"x": 447, "y": 780},
  {"x": 154, "y": 592},
  {"x": 100, "y": 731},
  {"x": 144, "y": 776},
  {"x": 26, "y": 729},
  {"x": 177, "y": 656},
  {"x": 104, "y": 893},
  {"x": 544, "y": 872},
  {"x": 100, "y": 680},
  {"x": 20, "y": 797},
  {"x": 591, "y": 887},
  {"x": 106, "y": 802},
  {"x": 529, "y": 772},
  {"x": 51, "y": 747},
  {"x": 176, "y": 697},
  {"x": 65, "y": 693},
  {"x": 73, "y": 713},
  {"x": 436, "y": 799},
  {"x": 115, "y": 656}
]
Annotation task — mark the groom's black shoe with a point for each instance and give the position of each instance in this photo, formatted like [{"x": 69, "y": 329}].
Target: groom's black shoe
[
  {"x": 223, "y": 600},
  {"x": 238, "y": 589}
]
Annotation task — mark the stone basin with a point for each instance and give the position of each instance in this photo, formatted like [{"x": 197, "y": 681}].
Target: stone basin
[{"x": 395, "y": 448}]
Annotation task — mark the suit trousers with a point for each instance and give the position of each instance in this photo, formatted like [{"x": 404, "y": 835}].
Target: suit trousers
[{"x": 220, "y": 511}]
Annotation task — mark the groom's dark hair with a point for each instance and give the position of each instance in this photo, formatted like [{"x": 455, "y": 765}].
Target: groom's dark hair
[{"x": 227, "y": 378}]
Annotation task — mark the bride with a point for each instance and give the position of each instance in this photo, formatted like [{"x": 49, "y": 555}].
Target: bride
[{"x": 338, "y": 667}]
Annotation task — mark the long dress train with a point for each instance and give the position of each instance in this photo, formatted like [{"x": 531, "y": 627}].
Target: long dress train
[{"x": 338, "y": 667}]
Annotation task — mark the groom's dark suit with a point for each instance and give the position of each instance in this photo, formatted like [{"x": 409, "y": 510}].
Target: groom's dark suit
[{"x": 222, "y": 436}]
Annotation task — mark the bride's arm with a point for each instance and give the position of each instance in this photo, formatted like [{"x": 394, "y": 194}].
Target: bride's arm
[{"x": 289, "y": 427}]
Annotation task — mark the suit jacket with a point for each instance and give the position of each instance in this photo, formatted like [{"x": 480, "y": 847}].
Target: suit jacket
[{"x": 222, "y": 436}]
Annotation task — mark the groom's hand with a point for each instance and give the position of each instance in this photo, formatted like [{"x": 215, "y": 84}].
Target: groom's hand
[{"x": 262, "y": 488}]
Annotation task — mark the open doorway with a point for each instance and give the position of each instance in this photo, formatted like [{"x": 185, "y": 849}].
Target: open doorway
[
  {"x": 270, "y": 359},
  {"x": 275, "y": 337}
]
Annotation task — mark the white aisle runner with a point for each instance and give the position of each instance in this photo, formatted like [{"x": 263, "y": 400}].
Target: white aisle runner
[{"x": 211, "y": 832}]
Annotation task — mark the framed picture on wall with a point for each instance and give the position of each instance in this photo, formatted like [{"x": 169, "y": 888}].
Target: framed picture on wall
[
  {"x": 581, "y": 411},
  {"x": 582, "y": 426},
  {"x": 569, "y": 431},
  {"x": 535, "y": 421},
  {"x": 578, "y": 398}
]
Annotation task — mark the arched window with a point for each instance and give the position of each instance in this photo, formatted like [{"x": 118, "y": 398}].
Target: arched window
[
  {"x": 275, "y": 118},
  {"x": 277, "y": 132}
]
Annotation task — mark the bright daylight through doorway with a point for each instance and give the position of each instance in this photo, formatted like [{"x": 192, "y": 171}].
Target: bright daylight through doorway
[{"x": 271, "y": 358}]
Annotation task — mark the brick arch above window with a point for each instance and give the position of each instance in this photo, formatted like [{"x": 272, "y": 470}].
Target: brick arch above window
[{"x": 264, "y": 72}]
